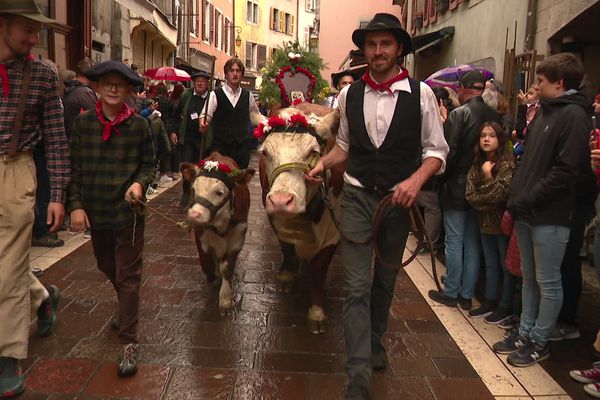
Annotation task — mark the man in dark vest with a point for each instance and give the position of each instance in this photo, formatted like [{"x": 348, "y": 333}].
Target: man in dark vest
[
  {"x": 228, "y": 113},
  {"x": 392, "y": 138},
  {"x": 187, "y": 117}
]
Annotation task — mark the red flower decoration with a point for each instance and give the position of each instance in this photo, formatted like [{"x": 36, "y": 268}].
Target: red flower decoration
[
  {"x": 224, "y": 168},
  {"x": 276, "y": 121},
  {"x": 296, "y": 102},
  {"x": 259, "y": 131},
  {"x": 299, "y": 121}
]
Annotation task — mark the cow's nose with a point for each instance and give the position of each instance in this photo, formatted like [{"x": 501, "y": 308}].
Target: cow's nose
[
  {"x": 281, "y": 202},
  {"x": 194, "y": 214}
]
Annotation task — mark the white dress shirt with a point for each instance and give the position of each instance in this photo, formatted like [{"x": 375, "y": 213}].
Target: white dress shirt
[
  {"x": 379, "y": 110},
  {"x": 233, "y": 96}
]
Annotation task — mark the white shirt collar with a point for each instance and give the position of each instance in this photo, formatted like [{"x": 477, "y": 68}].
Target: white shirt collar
[{"x": 230, "y": 89}]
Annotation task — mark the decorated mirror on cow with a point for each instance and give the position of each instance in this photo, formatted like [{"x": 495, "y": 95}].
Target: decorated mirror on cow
[{"x": 293, "y": 76}]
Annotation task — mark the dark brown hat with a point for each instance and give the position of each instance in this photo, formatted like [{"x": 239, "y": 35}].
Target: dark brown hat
[
  {"x": 200, "y": 74},
  {"x": 384, "y": 22},
  {"x": 336, "y": 76},
  {"x": 24, "y": 8},
  {"x": 106, "y": 67}
]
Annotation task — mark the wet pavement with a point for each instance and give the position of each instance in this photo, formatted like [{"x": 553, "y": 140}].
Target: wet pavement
[{"x": 261, "y": 351}]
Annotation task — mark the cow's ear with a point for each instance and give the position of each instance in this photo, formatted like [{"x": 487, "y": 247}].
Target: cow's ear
[
  {"x": 188, "y": 171},
  {"x": 328, "y": 125},
  {"x": 245, "y": 176}
]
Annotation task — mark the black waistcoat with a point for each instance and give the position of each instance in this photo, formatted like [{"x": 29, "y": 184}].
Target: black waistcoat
[
  {"x": 231, "y": 124},
  {"x": 399, "y": 155}
]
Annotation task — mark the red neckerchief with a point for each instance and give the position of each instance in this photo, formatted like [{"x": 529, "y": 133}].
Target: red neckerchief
[
  {"x": 4, "y": 76},
  {"x": 109, "y": 126},
  {"x": 385, "y": 86}
]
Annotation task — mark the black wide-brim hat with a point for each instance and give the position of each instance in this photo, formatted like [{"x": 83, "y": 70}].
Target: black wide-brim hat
[
  {"x": 384, "y": 22},
  {"x": 200, "y": 74},
  {"x": 336, "y": 76},
  {"x": 106, "y": 67}
]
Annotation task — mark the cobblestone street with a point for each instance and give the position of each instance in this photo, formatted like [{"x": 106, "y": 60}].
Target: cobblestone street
[{"x": 261, "y": 351}]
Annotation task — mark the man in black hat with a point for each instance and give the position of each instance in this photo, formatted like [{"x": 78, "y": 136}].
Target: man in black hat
[
  {"x": 339, "y": 80},
  {"x": 462, "y": 242},
  {"x": 187, "y": 117},
  {"x": 392, "y": 138},
  {"x": 31, "y": 114},
  {"x": 113, "y": 163}
]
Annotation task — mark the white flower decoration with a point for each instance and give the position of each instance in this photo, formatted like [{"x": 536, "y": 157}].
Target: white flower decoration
[
  {"x": 211, "y": 166},
  {"x": 267, "y": 129},
  {"x": 298, "y": 55},
  {"x": 291, "y": 54},
  {"x": 313, "y": 120}
]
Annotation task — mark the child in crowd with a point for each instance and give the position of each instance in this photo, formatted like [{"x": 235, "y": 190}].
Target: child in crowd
[
  {"x": 112, "y": 161},
  {"x": 488, "y": 182}
]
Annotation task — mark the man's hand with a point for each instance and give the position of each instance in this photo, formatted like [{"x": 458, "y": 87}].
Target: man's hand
[
  {"x": 522, "y": 98},
  {"x": 314, "y": 175},
  {"x": 79, "y": 220},
  {"x": 56, "y": 215},
  {"x": 134, "y": 193},
  {"x": 174, "y": 139},
  {"x": 203, "y": 125},
  {"x": 443, "y": 112},
  {"x": 406, "y": 192},
  {"x": 486, "y": 169}
]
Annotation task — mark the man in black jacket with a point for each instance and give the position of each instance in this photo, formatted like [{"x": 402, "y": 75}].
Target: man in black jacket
[
  {"x": 541, "y": 200},
  {"x": 79, "y": 96},
  {"x": 460, "y": 220}
]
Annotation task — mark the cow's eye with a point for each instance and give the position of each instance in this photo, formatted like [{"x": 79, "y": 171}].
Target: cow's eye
[
  {"x": 266, "y": 154},
  {"x": 220, "y": 193}
]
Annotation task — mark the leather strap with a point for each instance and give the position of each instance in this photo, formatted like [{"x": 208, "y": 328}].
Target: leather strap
[{"x": 14, "y": 141}]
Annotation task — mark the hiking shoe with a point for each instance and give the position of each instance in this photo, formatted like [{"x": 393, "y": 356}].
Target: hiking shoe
[
  {"x": 114, "y": 321},
  {"x": 483, "y": 311},
  {"x": 48, "y": 240},
  {"x": 356, "y": 392},
  {"x": 442, "y": 298},
  {"x": 379, "y": 360},
  {"x": 529, "y": 354},
  {"x": 465, "y": 304},
  {"x": 564, "y": 332},
  {"x": 164, "y": 179},
  {"x": 47, "y": 312},
  {"x": 498, "y": 316},
  {"x": 593, "y": 389},
  {"x": 510, "y": 323},
  {"x": 129, "y": 363},
  {"x": 12, "y": 381},
  {"x": 585, "y": 375},
  {"x": 512, "y": 342}
]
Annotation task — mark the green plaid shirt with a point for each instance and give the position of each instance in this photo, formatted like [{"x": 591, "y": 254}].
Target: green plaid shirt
[{"x": 103, "y": 171}]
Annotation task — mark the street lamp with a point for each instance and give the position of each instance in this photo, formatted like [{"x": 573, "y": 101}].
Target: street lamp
[{"x": 238, "y": 30}]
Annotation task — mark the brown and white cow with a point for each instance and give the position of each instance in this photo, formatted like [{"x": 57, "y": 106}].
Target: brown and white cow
[
  {"x": 297, "y": 211},
  {"x": 218, "y": 214}
]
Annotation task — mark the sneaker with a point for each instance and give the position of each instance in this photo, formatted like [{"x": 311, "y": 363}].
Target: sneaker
[
  {"x": 48, "y": 240},
  {"x": 128, "y": 365},
  {"x": 529, "y": 354},
  {"x": 12, "y": 381},
  {"x": 87, "y": 234},
  {"x": 585, "y": 375},
  {"x": 164, "y": 179},
  {"x": 509, "y": 323},
  {"x": 564, "y": 332},
  {"x": 498, "y": 316},
  {"x": 483, "y": 311},
  {"x": 47, "y": 312},
  {"x": 356, "y": 392},
  {"x": 37, "y": 271},
  {"x": 593, "y": 389},
  {"x": 465, "y": 304},
  {"x": 379, "y": 360},
  {"x": 442, "y": 298},
  {"x": 151, "y": 191},
  {"x": 512, "y": 342},
  {"x": 114, "y": 321}
]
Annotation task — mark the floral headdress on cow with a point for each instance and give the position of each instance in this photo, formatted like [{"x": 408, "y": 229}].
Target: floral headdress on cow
[
  {"x": 218, "y": 170},
  {"x": 295, "y": 123},
  {"x": 293, "y": 76}
]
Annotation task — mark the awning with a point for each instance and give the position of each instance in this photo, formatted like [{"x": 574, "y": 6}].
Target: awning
[{"x": 151, "y": 14}]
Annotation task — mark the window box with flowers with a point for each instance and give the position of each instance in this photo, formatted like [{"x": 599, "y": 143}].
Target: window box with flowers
[{"x": 418, "y": 20}]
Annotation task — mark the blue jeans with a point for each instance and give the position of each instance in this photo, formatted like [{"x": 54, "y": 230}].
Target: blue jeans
[
  {"x": 542, "y": 250},
  {"x": 368, "y": 296},
  {"x": 463, "y": 252},
  {"x": 494, "y": 251}
]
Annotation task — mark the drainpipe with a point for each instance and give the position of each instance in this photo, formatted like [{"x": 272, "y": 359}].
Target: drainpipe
[{"x": 531, "y": 27}]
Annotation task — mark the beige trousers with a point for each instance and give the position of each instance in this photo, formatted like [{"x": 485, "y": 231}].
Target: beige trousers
[{"x": 20, "y": 290}]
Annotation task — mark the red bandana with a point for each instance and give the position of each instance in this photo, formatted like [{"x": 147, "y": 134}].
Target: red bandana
[
  {"x": 109, "y": 126},
  {"x": 4, "y": 76},
  {"x": 385, "y": 86}
]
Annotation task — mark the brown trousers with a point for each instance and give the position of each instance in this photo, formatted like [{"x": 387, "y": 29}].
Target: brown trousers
[
  {"x": 121, "y": 262},
  {"x": 20, "y": 290}
]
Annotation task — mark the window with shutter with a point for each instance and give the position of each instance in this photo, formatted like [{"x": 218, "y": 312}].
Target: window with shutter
[
  {"x": 281, "y": 21},
  {"x": 261, "y": 56},
  {"x": 248, "y": 55},
  {"x": 206, "y": 20},
  {"x": 211, "y": 13},
  {"x": 292, "y": 26}
]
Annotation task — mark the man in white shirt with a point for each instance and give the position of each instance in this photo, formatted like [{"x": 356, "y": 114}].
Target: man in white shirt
[
  {"x": 392, "y": 138},
  {"x": 228, "y": 112},
  {"x": 339, "y": 80}
]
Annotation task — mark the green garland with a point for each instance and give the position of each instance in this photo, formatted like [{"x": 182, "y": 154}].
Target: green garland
[{"x": 269, "y": 93}]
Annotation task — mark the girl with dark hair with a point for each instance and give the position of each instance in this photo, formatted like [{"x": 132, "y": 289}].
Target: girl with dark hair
[{"x": 488, "y": 182}]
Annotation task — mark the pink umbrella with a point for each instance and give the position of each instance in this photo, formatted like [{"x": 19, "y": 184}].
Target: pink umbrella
[{"x": 168, "y": 74}]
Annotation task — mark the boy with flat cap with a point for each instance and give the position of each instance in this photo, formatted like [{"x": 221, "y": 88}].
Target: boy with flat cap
[{"x": 112, "y": 161}]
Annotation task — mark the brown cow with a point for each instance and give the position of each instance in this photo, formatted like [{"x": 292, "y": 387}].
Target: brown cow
[
  {"x": 297, "y": 211},
  {"x": 218, "y": 213}
]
